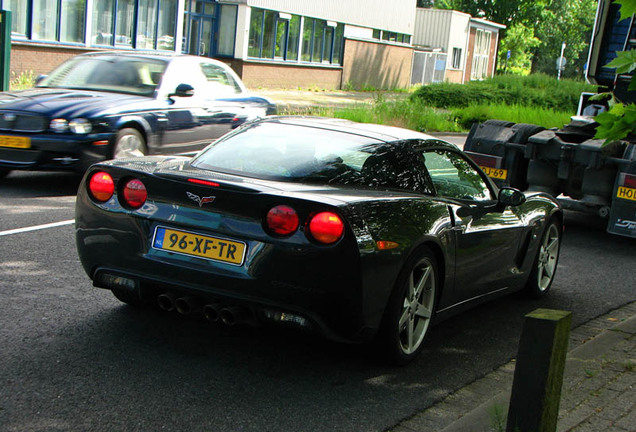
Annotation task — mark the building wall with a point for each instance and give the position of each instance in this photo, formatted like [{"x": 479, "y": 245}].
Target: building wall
[
  {"x": 454, "y": 76},
  {"x": 396, "y": 15},
  {"x": 270, "y": 75},
  {"x": 378, "y": 65}
]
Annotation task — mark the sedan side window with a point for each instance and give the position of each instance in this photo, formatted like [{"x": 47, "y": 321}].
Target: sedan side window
[
  {"x": 454, "y": 177},
  {"x": 219, "y": 82}
]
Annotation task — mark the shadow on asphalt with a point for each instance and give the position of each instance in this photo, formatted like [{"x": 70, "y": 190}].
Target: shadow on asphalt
[{"x": 31, "y": 184}]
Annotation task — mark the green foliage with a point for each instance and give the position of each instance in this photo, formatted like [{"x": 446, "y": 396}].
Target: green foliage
[
  {"x": 628, "y": 8},
  {"x": 568, "y": 22},
  {"x": 617, "y": 123},
  {"x": 519, "y": 40},
  {"x": 620, "y": 121},
  {"x": 625, "y": 63},
  {"x": 547, "y": 118},
  {"x": 532, "y": 91},
  {"x": 403, "y": 113},
  {"x": 23, "y": 81}
]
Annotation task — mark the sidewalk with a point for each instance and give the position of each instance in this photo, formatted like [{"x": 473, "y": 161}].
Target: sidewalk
[{"x": 598, "y": 392}]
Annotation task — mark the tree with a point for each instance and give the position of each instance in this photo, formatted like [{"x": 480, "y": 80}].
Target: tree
[
  {"x": 519, "y": 41},
  {"x": 569, "y": 22}
]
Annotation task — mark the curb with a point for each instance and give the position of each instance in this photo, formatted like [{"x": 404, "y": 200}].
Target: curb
[{"x": 597, "y": 393}]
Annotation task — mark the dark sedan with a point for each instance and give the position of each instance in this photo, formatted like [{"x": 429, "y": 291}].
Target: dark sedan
[
  {"x": 100, "y": 106},
  {"x": 357, "y": 231}
]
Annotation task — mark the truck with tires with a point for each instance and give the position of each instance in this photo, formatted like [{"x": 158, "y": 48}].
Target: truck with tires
[{"x": 583, "y": 173}]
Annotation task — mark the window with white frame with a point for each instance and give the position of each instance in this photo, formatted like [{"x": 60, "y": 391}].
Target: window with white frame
[{"x": 481, "y": 54}]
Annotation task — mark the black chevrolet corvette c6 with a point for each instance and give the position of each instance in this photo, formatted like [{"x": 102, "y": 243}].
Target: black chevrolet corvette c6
[
  {"x": 107, "y": 105},
  {"x": 357, "y": 231}
]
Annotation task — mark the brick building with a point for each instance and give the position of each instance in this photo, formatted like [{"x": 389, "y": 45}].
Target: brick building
[{"x": 270, "y": 43}]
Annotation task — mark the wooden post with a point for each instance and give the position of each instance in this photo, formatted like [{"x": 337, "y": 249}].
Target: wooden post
[{"x": 536, "y": 388}]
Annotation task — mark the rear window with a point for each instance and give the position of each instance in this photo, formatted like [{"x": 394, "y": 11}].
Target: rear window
[
  {"x": 277, "y": 151},
  {"x": 281, "y": 151}
]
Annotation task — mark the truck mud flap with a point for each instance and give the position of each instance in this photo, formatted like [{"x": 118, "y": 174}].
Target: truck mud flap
[{"x": 622, "y": 218}]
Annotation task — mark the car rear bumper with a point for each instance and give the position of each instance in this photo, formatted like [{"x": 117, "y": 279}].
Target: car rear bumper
[{"x": 321, "y": 289}]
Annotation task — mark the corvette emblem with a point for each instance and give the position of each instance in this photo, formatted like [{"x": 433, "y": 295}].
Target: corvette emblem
[{"x": 200, "y": 200}]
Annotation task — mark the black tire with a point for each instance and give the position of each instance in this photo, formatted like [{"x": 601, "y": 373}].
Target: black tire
[
  {"x": 129, "y": 142},
  {"x": 129, "y": 297},
  {"x": 545, "y": 262},
  {"x": 410, "y": 310},
  {"x": 4, "y": 172}
]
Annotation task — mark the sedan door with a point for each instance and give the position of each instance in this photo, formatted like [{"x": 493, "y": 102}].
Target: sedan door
[
  {"x": 191, "y": 123},
  {"x": 487, "y": 237}
]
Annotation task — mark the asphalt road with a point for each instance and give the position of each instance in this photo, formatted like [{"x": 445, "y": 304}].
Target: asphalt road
[{"x": 72, "y": 358}]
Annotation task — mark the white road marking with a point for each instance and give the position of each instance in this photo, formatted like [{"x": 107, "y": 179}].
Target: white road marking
[{"x": 36, "y": 227}]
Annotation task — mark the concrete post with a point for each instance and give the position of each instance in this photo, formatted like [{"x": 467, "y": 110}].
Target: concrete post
[{"x": 536, "y": 388}]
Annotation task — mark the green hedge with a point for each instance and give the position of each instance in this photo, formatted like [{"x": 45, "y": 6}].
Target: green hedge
[{"x": 533, "y": 91}]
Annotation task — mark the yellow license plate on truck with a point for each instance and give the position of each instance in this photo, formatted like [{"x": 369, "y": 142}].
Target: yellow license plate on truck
[
  {"x": 496, "y": 173},
  {"x": 15, "y": 142},
  {"x": 626, "y": 193},
  {"x": 197, "y": 245}
]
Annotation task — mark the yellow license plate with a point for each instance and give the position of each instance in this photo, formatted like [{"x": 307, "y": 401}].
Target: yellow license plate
[
  {"x": 626, "y": 193},
  {"x": 15, "y": 142},
  {"x": 201, "y": 246},
  {"x": 496, "y": 173}
]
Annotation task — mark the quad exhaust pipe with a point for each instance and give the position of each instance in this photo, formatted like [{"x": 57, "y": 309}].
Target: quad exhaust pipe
[
  {"x": 213, "y": 312},
  {"x": 233, "y": 315},
  {"x": 166, "y": 302}
]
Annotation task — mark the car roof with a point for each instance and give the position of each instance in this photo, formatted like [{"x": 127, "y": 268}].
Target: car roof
[
  {"x": 374, "y": 131},
  {"x": 154, "y": 55}
]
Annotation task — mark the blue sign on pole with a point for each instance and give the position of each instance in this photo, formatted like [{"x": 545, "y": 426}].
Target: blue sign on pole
[{"x": 508, "y": 54}]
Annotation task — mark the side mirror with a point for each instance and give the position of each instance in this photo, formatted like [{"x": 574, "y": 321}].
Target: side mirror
[
  {"x": 510, "y": 197},
  {"x": 40, "y": 78},
  {"x": 183, "y": 90}
]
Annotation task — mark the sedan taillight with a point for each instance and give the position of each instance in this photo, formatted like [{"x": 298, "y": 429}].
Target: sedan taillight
[
  {"x": 101, "y": 186},
  {"x": 326, "y": 227},
  {"x": 134, "y": 194}
]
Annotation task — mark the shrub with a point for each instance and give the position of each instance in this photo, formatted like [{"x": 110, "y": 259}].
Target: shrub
[{"x": 535, "y": 90}]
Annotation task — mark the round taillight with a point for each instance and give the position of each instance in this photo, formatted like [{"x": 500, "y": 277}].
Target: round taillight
[
  {"x": 134, "y": 193},
  {"x": 326, "y": 227},
  {"x": 101, "y": 186},
  {"x": 282, "y": 220}
]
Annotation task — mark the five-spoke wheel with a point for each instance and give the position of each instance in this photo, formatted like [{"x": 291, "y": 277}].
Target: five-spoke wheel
[
  {"x": 545, "y": 264},
  {"x": 411, "y": 308}
]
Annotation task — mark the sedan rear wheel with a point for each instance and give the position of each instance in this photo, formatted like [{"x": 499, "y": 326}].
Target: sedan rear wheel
[
  {"x": 545, "y": 263},
  {"x": 129, "y": 143},
  {"x": 411, "y": 308}
]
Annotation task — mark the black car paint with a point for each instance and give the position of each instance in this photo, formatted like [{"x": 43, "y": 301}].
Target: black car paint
[
  {"x": 342, "y": 288},
  {"x": 168, "y": 124}
]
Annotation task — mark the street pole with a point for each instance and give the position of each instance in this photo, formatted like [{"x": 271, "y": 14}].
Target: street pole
[{"x": 561, "y": 66}]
